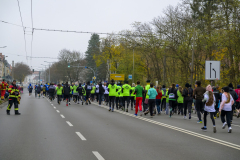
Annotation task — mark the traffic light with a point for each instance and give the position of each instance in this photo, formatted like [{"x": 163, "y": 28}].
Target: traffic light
[
  {"x": 68, "y": 65},
  {"x": 33, "y": 70}
]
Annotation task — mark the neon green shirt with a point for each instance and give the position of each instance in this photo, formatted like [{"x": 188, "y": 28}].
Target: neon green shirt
[
  {"x": 133, "y": 90},
  {"x": 93, "y": 90},
  {"x": 112, "y": 89},
  {"x": 75, "y": 89},
  {"x": 59, "y": 90},
  {"x": 126, "y": 89},
  {"x": 71, "y": 88},
  {"x": 147, "y": 87},
  {"x": 118, "y": 92}
]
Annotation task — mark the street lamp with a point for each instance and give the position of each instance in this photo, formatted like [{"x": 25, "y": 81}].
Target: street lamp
[
  {"x": 4, "y": 66},
  {"x": 45, "y": 79},
  {"x": 49, "y": 70}
]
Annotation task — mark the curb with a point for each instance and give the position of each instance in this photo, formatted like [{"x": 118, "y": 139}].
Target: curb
[{"x": 4, "y": 103}]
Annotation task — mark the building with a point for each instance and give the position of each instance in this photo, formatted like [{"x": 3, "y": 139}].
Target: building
[{"x": 5, "y": 68}]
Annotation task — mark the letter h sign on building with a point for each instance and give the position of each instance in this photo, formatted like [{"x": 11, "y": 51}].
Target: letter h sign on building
[{"x": 212, "y": 70}]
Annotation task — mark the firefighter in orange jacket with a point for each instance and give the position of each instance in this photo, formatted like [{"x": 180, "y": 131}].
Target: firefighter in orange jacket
[
  {"x": 3, "y": 87},
  {"x": 14, "y": 96}
]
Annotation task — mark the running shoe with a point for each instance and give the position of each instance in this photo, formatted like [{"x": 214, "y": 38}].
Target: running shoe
[
  {"x": 184, "y": 117},
  {"x": 78, "y": 103},
  {"x": 82, "y": 102},
  {"x": 214, "y": 129},
  {"x": 190, "y": 116},
  {"x": 199, "y": 121},
  {"x": 109, "y": 109},
  {"x": 135, "y": 114},
  {"x": 214, "y": 117},
  {"x": 224, "y": 125},
  {"x": 230, "y": 130},
  {"x": 127, "y": 110},
  {"x": 112, "y": 110},
  {"x": 217, "y": 115},
  {"x": 204, "y": 129},
  {"x": 89, "y": 102}
]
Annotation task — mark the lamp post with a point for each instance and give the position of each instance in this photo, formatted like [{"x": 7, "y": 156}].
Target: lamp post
[
  {"x": 49, "y": 70},
  {"x": 45, "y": 79},
  {"x": 4, "y": 66}
]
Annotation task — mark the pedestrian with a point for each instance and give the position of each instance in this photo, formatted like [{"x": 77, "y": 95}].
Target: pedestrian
[
  {"x": 100, "y": 93},
  {"x": 88, "y": 89},
  {"x": 126, "y": 88},
  {"x": 112, "y": 88},
  {"x": 188, "y": 100},
  {"x": 44, "y": 90},
  {"x": 14, "y": 98},
  {"x": 218, "y": 99},
  {"x": 158, "y": 100},
  {"x": 51, "y": 90},
  {"x": 145, "y": 104},
  {"x": 39, "y": 89},
  {"x": 106, "y": 93},
  {"x": 66, "y": 92},
  {"x": 163, "y": 100},
  {"x": 152, "y": 93},
  {"x": 198, "y": 95},
  {"x": 180, "y": 100},
  {"x": 210, "y": 99},
  {"x": 30, "y": 88},
  {"x": 238, "y": 100},
  {"x": 235, "y": 97},
  {"x": 118, "y": 102},
  {"x": 93, "y": 92},
  {"x": 75, "y": 93},
  {"x": 132, "y": 98},
  {"x": 139, "y": 95},
  {"x": 59, "y": 89},
  {"x": 172, "y": 93},
  {"x": 226, "y": 108}
]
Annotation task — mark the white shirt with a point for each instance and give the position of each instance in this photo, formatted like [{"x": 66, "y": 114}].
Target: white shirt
[
  {"x": 227, "y": 106},
  {"x": 106, "y": 90},
  {"x": 97, "y": 88},
  {"x": 209, "y": 108}
]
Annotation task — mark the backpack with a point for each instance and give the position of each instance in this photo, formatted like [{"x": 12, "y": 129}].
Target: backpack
[
  {"x": 51, "y": 89},
  {"x": 89, "y": 88},
  {"x": 172, "y": 95}
]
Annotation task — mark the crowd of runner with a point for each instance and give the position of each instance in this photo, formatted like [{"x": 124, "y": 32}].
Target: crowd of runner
[{"x": 154, "y": 100}]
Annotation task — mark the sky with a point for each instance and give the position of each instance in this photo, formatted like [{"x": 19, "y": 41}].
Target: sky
[{"x": 76, "y": 15}]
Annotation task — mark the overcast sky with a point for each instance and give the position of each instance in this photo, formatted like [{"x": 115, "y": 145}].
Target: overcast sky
[{"x": 79, "y": 15}]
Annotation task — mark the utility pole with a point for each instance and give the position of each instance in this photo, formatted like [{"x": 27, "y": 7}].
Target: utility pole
[
  {"x": 12, "y": 70},
  {"x": 133, "y": 68},
  {"x": 39, "y": 76}
]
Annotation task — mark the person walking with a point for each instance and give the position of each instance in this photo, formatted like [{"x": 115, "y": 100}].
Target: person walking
[
  {"x": 209, "y": 98},
  {"x": 158, "y": 100},
  {"x": 132, "y": 98},
  {"x": 139, "y": 95},
  {"x": 218, "y": 99},
  {"x": 14, "y": 97},
  {"x": 238, "y": 100},
  {"x": 88, "y": 89},
  {"x": 59, "y": 89},
  {"x": 126, "y": 88},
  {"x": 152, "y": 93},
  {"x": 180, "y": 100},
  {"x": 188, "y": 100},
  {"x": 226, "y": 108},
  {"x": 100, "y": 93},
  {"x": 172, "y": 93},
  {"x": 75, "y": 93},
  {"x": 30, "y": 88},
  {"x": 118, "y": 102},
  {"x": 112, "y": 88},
  {"x": 106, "y": 93},
  {"x": 198, "y": 95},
  {"x": 66, "y": 92}
]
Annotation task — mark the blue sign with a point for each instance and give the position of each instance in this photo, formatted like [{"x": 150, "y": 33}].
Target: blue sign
[
  {"x": 40, "y": 79},
  {"x": 90, "y": 81},
  {"x": 129, "y": 76}
]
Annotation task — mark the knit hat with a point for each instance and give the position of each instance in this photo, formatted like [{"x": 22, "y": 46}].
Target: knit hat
[
  {"x": 177, "y": 85},
  {"x": 230, "y": 85},
  {"x": 148, "y": 81},
  {"x": 187, "y": 85},
  {"x": 238, "y": 86},
  {"x": 226, "y": 89},
  {"x": 126, "y": 81},
  {"x": 163, "y": 86},
  {"x": 209, "y": 88}
]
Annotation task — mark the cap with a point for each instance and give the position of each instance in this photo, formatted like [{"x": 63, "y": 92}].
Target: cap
[{"x": 148, "y": 81}]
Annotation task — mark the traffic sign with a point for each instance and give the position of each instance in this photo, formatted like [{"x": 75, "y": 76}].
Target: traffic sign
[
  {"x": 91, "y": 82},
  {"x": 117, "y": 77},
  {"x": 129, "y": 76},
  {"x": 40, "y": 79},
  {"x": 94, "y": 77},
  {"x": 212, "y": 70}
]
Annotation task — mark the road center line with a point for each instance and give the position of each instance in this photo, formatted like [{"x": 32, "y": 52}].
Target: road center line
[
  {"x": 62, "y": 116},
  {"x": 54, "y": 107},
  {"x": 81, "y": 136},
  {"x": 58, "y": 111},
  {"x": 70, "y": 124},
  {"x": 99, "y": 157}
]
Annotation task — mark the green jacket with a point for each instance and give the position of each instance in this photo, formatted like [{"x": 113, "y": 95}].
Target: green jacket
[
  {"x": 126, "y": 89},
  {"x": 147, "y": 87},
  {"x": 59, "y": 90},
  {"x": 180, "y": 97},
  {"x": 75, "y": 89},
  {"x": 71, "y": 88},
  {"x": 133, "y": 90},
  {"x": 93, "y": 90},
  {"x": 119, "y": 90},
  {"x": 139, "y": 91},
  {"x": 167, "y": 97}
]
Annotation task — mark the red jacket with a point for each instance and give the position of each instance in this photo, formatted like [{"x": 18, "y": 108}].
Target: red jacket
[{"x": 159, "y": 96}]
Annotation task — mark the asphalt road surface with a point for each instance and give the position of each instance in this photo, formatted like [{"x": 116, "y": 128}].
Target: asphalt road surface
[{"x": 48, "y": 131}]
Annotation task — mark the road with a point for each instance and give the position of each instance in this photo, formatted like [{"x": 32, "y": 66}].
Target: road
[{"x": 48, "y": 131}]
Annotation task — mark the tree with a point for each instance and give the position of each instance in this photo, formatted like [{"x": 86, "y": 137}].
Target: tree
[{"x": 21, "y": 70}]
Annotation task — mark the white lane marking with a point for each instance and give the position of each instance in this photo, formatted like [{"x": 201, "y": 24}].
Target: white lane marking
[
  {"x": 225, "y": 143},
  {"x": 54, "y": 107},
  {"x": 70, "y": 124},
  {"x": 81, "y": 136},
  {"x": 99, "y": 157},
  {"x": 58, "y": 111},
  {"x": 62, "y": 116}
]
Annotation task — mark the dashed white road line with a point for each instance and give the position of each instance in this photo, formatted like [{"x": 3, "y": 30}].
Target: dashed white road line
[
  {"x": 98, "y": 155},
  {"x": 81, "y": 136},
  {"x": 54, "y": 107},
  {"x": 62, "y": 116},
  {"x": 70, "y": 124},
  {"x": 58, "y": 111}
]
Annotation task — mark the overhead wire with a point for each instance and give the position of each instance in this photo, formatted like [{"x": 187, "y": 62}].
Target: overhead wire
[
  {"x": 32, "y": 31},
  {"x": 23, "y": 28}
]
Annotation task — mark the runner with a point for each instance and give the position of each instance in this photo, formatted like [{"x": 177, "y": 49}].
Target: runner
[
  {"x": 198, "y": 94},
  {"x": 139, "y": 96},
  {"x": 163, "y": 100},
  {"x": 209, "y": 98},
  {"x": 238, "y": 100},
  {"x": 112, "y": 88},
  {"x": 152, "y": 93},
  {"x": 172, "y": 93},
  {"x": 132, "y": 96},
  {"x": 66, "y": 92},
  {"x": 100, "y": 93},
  {"x": 180, "y": 100},
  {"x": 93, "y": 93},
  {"x": 218, "y": 98},
  {"x": 51, "y": 90},
  {"x": 80, "y": 93},
  {"x": 118, "y": 102},
  {"x": 70, "y": 94},
  {"x": 59, "y": 89},
  {"x": 226, "y": 108},
  {"x": 39, "y": 89},
  {"x": 88, "y": 89},
  {"x": 158, "y": 100},
  {"x": 145, "y": 103},
  {"x": 106, "y": 93},
  {"x": 188, "y": 100},
  {"x": 47, "y": 89},
  {"x": 44, "y": 90},
  {"x": 30, "y": 88},
  {"x": 97, "y": 91},
  {"x": 234, "y": 96},
  {"x": 75, "y": 93},
  {"x": 126, "y": 88},
  {"x": 35, "y": 89}
]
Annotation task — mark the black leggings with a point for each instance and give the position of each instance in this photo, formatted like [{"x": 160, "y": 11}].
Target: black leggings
[
  {"x": 187, "y": 106},
  {"x": 132, "y": 101},
  {"x": 59, "y": 98},
  {"x": 211, "y": 116},
  {"x": 106, "y": 97},
  {"x": 111, "y": 101},
  {"x": 163, "y": 104},
  {"x": 151, "y": 103},
  {"x": 228, "y": 116},
  {"x": 180, "y": 108}
]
